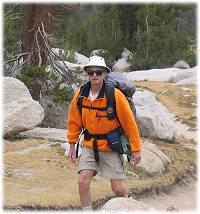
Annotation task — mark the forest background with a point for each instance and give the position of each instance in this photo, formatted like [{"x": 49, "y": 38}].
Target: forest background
[{"x": 158, "y": 35}]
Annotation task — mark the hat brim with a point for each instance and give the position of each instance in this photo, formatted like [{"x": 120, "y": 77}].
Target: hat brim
[{"x": 107, "y": 68}]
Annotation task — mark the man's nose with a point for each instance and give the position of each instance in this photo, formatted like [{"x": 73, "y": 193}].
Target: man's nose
[{"x": 94, "y": 75}]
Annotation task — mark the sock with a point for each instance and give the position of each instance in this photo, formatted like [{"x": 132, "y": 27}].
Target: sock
[{"x": 87, "y": 208}]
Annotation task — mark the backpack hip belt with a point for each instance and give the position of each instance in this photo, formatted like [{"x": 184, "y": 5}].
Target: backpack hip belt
[{"x": 96, "y": 137}]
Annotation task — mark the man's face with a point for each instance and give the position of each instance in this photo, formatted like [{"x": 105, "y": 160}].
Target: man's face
[{"x": 96, "y": 74}]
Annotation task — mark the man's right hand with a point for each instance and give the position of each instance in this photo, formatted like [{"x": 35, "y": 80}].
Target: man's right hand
[{"x": 71, "y": 155}]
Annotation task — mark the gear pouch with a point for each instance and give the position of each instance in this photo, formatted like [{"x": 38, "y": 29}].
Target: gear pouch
[{"x": 114, "y": 141}]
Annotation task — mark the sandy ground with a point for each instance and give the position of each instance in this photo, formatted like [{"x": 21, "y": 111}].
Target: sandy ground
[{"x": 182, "y": 198}]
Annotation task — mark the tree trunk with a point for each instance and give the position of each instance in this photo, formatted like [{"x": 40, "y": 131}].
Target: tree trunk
[
  {"x": 35, "y": 32},
  {"x": 147, "y": 29},
  {"x": 36, "y": 16}
]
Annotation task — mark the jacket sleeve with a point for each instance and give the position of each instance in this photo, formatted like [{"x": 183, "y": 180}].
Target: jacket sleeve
[
  {"x": 75, "y": 124},
  {"x": 127, "y": 120}
]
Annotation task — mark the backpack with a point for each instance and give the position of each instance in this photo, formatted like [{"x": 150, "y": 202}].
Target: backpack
[
  {"x": 119, "y": 81},
  {"x": 115, "y": 80}
]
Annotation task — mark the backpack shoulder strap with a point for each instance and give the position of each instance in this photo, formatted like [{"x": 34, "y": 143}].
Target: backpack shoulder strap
[
  {"x": 111, "y": 103},
  {"x": 80, "y": 98},
  {"x": 110, "y": 92}
]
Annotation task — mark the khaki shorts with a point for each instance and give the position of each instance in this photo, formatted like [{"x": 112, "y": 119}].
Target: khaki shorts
[{"x": 111, "y": 164}]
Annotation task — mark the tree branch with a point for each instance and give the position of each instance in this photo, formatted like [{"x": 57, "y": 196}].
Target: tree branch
[
  {"x": 39, "y": 54},
  {"x": 17, "y": 57},
  {"x": 10, "y": 11}
]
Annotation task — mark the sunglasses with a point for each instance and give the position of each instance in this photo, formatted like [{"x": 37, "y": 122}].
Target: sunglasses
[{"x": 97, "y": 72}]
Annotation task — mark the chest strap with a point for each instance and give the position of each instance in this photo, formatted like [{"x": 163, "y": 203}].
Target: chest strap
[{"x": 94, "y": 108}]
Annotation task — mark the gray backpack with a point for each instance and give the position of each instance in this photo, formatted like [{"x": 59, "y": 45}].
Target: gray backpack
[{"x": 119, "y": 81}]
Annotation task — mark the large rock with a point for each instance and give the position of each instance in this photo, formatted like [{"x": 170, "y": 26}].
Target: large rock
[
  {"x": 109, "y": 59},
  {"x": 153, "y": 119},
  {"x": 182, "y": 74},
  {"x": 81, "y": 59},
  {"x": 122, "y": 204},
  {"x": 50, "y": 134},
  {"x": 58, "y": 51},
  {"x": 151, "y": 75},
  {"x": 148, "y": 145},
  {"x": 153, "y": 160},
  {"x": 164, "y": 75},
  {"x": 61, "y": 65},
  {"x": 182, "y": 65},
  {"x": 78, "y": 58},
  {"x": 188, "y": 81},
  {"x": 122, "y": 66},
  {"x": 21, "y": 112}
]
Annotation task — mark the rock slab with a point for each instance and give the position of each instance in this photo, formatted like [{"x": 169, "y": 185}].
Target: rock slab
[
  {"x": 153, "y": 118},
  {"x": 20, "y": 111},
  {"x": 122, "y": 204}
]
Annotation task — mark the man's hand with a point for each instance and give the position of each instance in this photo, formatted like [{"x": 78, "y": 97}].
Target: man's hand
[
  {"x": 71, "y": 155},
  {"x": 136, "y": 157}
]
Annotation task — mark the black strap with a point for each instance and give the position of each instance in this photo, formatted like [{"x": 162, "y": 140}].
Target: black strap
[
  {"x": 88, "y": 136},
  {"x": 94, "y": 108},
  {"x": 111, "y": 104},
  {"x": 95, "y": 149},
  {"x": 80, "y": 100},
  {"x": 77, "y": 146},
  {"x": 110, "y": 95}
]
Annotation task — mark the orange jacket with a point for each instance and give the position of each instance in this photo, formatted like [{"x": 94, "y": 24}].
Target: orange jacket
[{"x": 102, "y": 125}]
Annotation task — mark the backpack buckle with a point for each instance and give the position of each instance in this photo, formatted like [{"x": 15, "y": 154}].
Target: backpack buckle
[{"x": 110, "y": 112}]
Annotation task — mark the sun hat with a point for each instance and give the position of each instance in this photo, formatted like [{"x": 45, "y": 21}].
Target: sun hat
[{"x": 96, "y": 61}]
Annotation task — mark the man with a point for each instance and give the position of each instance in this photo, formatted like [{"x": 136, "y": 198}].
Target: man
[{"x": 93, "y": 118}]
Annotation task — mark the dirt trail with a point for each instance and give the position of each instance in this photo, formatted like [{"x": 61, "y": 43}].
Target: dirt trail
[{"x": 182, "y": 198}]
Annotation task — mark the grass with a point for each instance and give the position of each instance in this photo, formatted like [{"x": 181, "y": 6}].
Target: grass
[
  {"x": 40, "y": 177},
  {"x": 45, "y": 177},
  {"x": 173, "y": 97}
]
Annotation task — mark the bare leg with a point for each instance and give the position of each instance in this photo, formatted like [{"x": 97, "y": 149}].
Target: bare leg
[
  {"x": 117, "y": 187},
  {"x": 84, "y": 180}
]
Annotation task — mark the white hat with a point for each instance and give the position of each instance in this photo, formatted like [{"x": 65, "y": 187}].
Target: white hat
[{"x": 96, "y": 61}]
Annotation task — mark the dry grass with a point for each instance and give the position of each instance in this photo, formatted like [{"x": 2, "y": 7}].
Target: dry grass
[
  {"x": 40, "y": 177},
  {"x": 45, "y": 178},
  {"x": 173, "y": 97}
]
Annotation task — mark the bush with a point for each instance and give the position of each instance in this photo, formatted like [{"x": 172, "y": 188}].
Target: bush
[{"x": 37, "y": 76}]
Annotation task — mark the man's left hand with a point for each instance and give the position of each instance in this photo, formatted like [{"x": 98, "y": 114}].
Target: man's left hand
[{"x": 136, "y": 157}]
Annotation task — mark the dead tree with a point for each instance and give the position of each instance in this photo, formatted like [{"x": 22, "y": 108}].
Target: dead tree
[
  {"x": 36, "y": 29},
  {"x": 36, "y": 48},
  {"x": 37, "y": 24}
]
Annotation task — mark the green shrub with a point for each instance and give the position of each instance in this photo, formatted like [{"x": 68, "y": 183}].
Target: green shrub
[{"x": 38, "y": 76}]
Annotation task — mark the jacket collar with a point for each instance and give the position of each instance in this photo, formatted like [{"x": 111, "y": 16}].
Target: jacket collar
[{"x": 86, "y": 90}]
